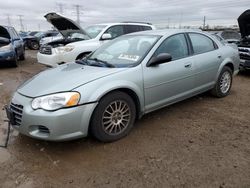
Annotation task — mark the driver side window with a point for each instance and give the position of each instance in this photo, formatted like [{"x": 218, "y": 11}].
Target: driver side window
[
  {"x": 175, "y": 45},
  {"x": 115, "y": 31}
]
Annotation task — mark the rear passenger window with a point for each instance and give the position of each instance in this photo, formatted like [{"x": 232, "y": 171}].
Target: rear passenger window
[
  {"x": 201, "y": 43},
  {"x": 132, "y": 28},
  {"x": 145, "y": 28},
  {"x": 175, "y": 45}
]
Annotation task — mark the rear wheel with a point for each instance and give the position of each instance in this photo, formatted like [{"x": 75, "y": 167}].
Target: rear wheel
[
  {"x": 113, "y": 118},
  {"x": 14, "y": 62},
  {"x": 223, "y": 84}
]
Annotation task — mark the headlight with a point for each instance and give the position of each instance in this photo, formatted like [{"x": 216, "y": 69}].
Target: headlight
[
  {"x": 64, "y": 49},
  {"x": 56, "y": 101},
  {"x": 6, "y": 48}
]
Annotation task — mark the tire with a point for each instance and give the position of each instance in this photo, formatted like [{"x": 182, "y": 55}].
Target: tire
[
  {"x": 224, "y": 83},
  {"x": 22, "y": 57},
  {"x": 113, "y": 117},
  {"x": 14, "y": 62},
  {"x": 34, "y": 45}
]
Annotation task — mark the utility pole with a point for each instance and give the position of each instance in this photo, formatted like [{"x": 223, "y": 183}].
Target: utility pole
[
  {"x": 61, "y": 7},
  {"x": 77, "y": 13},
  {"x": 204, "y": 22},
  {"x": 8, "y": 20},
  {"x": 168, "y": 23},
  {"x": 21, "y": 22},
  {"x": 181, "y": 16}
]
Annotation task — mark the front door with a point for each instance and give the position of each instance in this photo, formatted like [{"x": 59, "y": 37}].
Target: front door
[{"x": 171, "y": 81}]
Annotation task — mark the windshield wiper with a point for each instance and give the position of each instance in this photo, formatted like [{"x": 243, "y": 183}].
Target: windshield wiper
[
  {"x": 103, "y": 62},
  {"x": 82, "y": 62}
]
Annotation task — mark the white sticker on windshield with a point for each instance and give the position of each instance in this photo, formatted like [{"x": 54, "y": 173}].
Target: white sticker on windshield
[{"x": 129, "y": 57}]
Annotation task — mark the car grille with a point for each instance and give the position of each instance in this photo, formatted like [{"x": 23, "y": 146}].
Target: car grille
[
  {"x": 45, "y": 50},
  {"x": 244, "y": 53},
  {"x": 17, "y": 112}
]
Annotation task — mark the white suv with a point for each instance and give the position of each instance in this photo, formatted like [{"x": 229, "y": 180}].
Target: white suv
[{"x": 78, "y": 42}]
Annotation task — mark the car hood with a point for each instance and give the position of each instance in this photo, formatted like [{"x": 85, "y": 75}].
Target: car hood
[
  {"x": 64, "y": 78},
  {"x": 244, "y": 23},
  {"x": 29, "y": 37},
  {"x": 64, "y": 25}
]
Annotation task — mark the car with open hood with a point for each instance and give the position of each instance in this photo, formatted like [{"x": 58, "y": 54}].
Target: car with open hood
[
  {"x": 78, "y": 42},
  {"x": 12, "y": 46},
  {"x": 244, "y": 45},
  {"x": 104, "y": 93}
]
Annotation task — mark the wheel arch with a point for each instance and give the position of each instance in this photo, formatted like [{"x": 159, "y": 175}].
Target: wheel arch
[{"x": 130, "y": 93}]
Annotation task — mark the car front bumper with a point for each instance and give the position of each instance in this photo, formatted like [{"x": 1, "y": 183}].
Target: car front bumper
[
  {"x": 60, "y": 125},
  {"x": 245, "y": 64},
  {"x": 54, "y": 59},
  {"x": 8, "y": 56}
]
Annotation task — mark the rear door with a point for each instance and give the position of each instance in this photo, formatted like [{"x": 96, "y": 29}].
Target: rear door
[
  {"x": 207, "y": 59},
  {"x": 171, "y": 81}
]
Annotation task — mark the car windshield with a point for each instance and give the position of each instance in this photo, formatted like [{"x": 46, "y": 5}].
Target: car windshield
[
  {"x": 125, "y": 51},
  {"x": 39, "y": 34},
  {"x": 94, "y": 30}
]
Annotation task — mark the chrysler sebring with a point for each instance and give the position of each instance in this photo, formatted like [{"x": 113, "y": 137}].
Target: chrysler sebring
[{"x": 104, "y": 93}]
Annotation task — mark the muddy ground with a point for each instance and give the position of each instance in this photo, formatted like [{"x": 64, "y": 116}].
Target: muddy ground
[{"x": 201, "y": 142}]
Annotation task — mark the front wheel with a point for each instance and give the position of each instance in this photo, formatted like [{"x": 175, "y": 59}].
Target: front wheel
[
  {"x": 34, "y": 45},
  {"x": 223, "y": 84},
  {"x": 113, "y": 118}
]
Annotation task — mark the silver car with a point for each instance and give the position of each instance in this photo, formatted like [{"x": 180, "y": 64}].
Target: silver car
[{"x": 104, "y": 93}]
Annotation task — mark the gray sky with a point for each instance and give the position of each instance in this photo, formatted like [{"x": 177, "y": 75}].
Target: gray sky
[{"x": 159, "y": 12}]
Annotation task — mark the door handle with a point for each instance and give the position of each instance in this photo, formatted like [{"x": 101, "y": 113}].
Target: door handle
[
  {"x": 219, "y": 56},
  {"x": 188, "y": 65}
]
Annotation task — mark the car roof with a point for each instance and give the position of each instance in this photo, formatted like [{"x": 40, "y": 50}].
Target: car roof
[
  {"x": 125, "y": 23},
  {"x": 163, "y": 32}
]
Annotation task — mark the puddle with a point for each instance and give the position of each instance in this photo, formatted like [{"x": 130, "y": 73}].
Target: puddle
[{"x": 4, "y": 155}]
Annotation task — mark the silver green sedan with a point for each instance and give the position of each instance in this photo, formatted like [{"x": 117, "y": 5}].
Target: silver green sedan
[{"x": 104, "y": 93}]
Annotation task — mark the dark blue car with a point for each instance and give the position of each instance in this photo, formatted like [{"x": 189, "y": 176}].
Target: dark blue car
[{"x": 11, "y": 46}]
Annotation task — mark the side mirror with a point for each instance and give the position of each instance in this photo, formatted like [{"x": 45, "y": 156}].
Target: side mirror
[
  {"x": 160, "y": 59},
  {"x": 106, "y": 36}
]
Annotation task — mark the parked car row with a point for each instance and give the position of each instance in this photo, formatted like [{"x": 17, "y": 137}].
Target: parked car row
[{"x": 103, "y": 87}]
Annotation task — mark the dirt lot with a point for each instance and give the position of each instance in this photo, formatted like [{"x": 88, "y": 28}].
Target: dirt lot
[{"x": 201, "y": 142}]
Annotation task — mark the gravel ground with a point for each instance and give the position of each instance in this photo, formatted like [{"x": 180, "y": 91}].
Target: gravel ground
[{"x": 200, "y": 142}]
